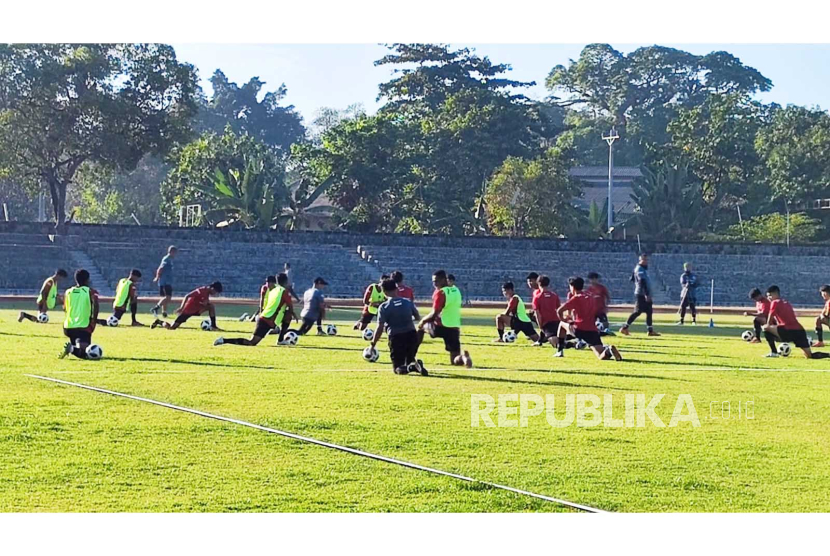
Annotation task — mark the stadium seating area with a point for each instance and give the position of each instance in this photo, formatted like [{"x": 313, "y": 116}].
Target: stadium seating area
[{"x": 349, "y": 262}]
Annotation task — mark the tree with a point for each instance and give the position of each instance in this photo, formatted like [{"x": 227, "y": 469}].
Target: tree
[
  {"x": 326, "y": 118},
  {"x": 531, "y": 198},
  {"x": 266, "y": 120},
  {"x": 64, "y": 105},
  {"x": 795, "y": 150},
  {"x": 772, "y": 228},
  {"x": 252, "y": 174},
  {"x": 669, "y": 206}
]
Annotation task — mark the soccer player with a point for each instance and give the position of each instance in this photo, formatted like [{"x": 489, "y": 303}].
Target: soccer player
[
  {"x": 397, "y": 316},
  {"x": 164, "y": 277},
  {"x": 824, "y": 318},
  {"x": 195, "y": 303},
  {"x": 545, "y": 306},
  {"x": 602, "y": 297},
  {"x": 314, "y": 308},
  {"x": 48, "y": 296},
  {"x": 372, "y": 299},
  {"x": 761, "y": 314},
  {"x": 273, "y": 312},
  {"x": 783, "y": 325},
  {"x": 403, "y": 290},
  {"x": 126, "y": 298},
  {"x": 582, "y": 311},
  {"x": 515, "y": 315},
  {"x": 688, "y": 294},
  {"x": 451, "y": 280},
  {"x": 642, "y": 294},
  {"x": 444, "y": 320},
  {"x": 80, "y": 303}
]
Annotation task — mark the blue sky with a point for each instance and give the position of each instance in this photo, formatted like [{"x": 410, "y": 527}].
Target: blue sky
[{"x": 336, "y": 75}]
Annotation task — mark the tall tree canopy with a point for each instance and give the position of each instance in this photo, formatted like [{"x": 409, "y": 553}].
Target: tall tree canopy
[
  {"x": 64, "y": 105},
  {"x": 240, "y": 107}
]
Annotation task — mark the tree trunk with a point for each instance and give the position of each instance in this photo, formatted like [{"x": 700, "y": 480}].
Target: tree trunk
[{"x": 57, "y": 192}]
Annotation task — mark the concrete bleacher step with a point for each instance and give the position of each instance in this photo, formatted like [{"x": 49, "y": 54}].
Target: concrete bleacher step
[{"x": 82, "y": 260}]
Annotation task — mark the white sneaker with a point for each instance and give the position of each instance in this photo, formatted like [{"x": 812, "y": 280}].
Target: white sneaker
[
  {"x": 155, "y": 312},
  {"x": 771, "y": 355},
  {"x": 559, "y": 354},
  {"x": 219, "y": 341},
  {"x": 284, "y": 343},
  {"x": 243, "y": 317}
]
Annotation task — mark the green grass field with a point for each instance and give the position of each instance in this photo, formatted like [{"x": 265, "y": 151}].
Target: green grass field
[{"x": 67, "y": 449}]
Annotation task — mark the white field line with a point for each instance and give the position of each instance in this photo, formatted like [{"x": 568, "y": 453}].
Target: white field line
[{"x": 324, "y": 444}]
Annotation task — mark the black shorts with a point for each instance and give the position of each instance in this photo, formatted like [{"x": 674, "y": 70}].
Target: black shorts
[
  {"x": 641, "y": 305},
  {"x": 451, "y": 337},
  {"x": 522, "y": 326},
  {"x": 77, "y": 335},
  {"x": 182, "y": 318},
  {"x": 551, "y": 328},
  {"x": 797, "y": 337},
  {"x": 403, "y": 348},
  {"x": 591, "y": 337},
  {"x": 366, "y": 318},
  {"x": 263, "y": 327},
  {"x": 166, "y": 291}
]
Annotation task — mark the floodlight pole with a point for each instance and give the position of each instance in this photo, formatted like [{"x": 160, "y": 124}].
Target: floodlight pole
[{"x": 610, "y": 138}]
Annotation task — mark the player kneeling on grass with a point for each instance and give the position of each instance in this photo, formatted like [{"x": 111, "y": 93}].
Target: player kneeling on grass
[
  {"x": 784, "y": 326},
  {"x": 274, "y": 310},
  {"x": 81, "y": 306},
  {"x": 515, "y": 315},
  {"x": 824, "y": 318},
  {"x": 47, "y": 298},
  {"x": 444, "y": 321},
  {"x": 126, "y": 298},
  {"x": 372, "y": 298},
  {"x": 194, "y": 304},
  {"x": 761, "y": 314},
  {"x": 583, "y": 320},
  {"x": 545, "y": 306},
  {"x": 314, "y": 308},
  {"x": 397, "y": 317}
]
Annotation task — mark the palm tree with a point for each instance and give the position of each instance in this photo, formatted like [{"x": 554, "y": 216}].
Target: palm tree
[{"x": 669, "y": 207}]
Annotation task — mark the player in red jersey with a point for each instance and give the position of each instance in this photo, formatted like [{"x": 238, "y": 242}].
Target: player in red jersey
[
  {"x": 761, "y": 314},
  {"x": 582, "y": 316},
  {"x": 404, "y": 291},
  {"x": 600, "y": 293},
  {"x": 783, "y": 325},
  {"x": 195, "y": 303},
  {"x": 824, "y": 318},
  {"x": 545, "y": 305}
]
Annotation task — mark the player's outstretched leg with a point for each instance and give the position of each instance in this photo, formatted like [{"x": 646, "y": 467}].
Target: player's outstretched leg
[{"x": 26, "y": 316}]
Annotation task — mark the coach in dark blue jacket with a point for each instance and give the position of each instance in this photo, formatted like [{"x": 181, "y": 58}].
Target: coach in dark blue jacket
[{"x": 642, "y": 294}]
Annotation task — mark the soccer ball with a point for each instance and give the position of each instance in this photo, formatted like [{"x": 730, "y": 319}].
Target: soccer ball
[
  {"x": 784, "y": 349},
  {"x": 331, "y": 330},
  {"x": 206, "y": 325},
  {"x": 368, "y": 334},
  {"x": 371, "y": 354},
  {"x": 509, "y": 336},
  {"x": 94, "y": 352},
  {"x": 112, "y": 321},
  {"x": 581, "y": 344},
  {"x": 291, "y": 337},
  {"x": 43, "y": 318},
  {"x": 748, "y": 335}
]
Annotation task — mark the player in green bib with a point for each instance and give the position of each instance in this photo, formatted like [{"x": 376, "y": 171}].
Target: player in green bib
[
  {"x": 373, "y": 298},
  {"x": 444, "y": 321},
  {"x": 515, "y": 315},
  {"x": 80, "y": 303},
  {"x": 126, "y": 298},
  {"x": 276, "y": 308},
  {"x": 48, "y": 296}
]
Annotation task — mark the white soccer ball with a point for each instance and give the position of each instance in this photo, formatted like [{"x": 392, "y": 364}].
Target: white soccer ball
[
  {"x": 43, "y": 318},
  {"x": 581, "y": 344},
  {"x": 112, "y": 321},
  {"x": 206, "y": 324},
  {"x": 368, "y": 334},
  {"x": 331, "y": 330},
  {"x": 291, "y": 337},
  {"x": 748, "y": 335},
  {"x": 509, "y": 336},
  {"x": 371, "y": 354},
  {"x": 784, "y": 349},
  {"x": 94, "y": 352}
]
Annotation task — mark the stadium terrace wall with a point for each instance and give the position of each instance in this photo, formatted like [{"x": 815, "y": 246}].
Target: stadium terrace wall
[{"x": 131, "y": 233}]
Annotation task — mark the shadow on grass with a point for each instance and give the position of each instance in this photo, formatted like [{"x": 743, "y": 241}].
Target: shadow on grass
[
  {"x": 184, "y": 362},
  {"x": 610, "y": 374},
  {"x": 29, "y": 335},
  {"x": 479, "y": 378}
]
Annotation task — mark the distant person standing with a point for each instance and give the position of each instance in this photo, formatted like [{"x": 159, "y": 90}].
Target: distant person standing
[
  {"x": 287, "y": 271},
  {"x": 164, "y": 277},
  {"x": 642, "y": 295},
  {"x": 688, "y": 295}
]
